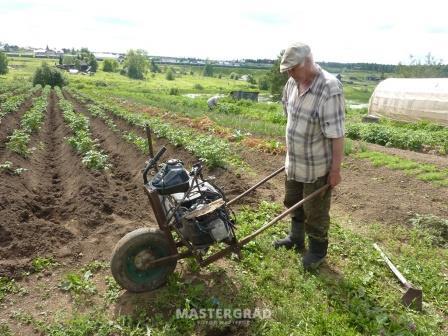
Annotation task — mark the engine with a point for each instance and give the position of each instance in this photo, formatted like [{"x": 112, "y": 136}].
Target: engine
[{"x": 197, "y": 207}]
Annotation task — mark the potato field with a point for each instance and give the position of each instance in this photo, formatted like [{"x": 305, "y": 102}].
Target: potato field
[{"x": 71, "y": 186}]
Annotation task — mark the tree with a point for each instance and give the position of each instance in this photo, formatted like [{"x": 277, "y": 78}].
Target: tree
[
  {"x": 250, "y": 79},
  {"x": 68, "y": 60},
  {"x": 431, "y": 68},
  {"x": 263, "y": 83},
  {"x": 3, "y": 63},
  {"x": 92, "y": 62},
  {"x": 110, "y": 65},
  {"x": 277, "y": 80},
  {"x": 136, "y": 64},
  {"x": 153, "y": 67},
  {"x": 44, "y": 75},
  {"x": 208, "y": 70}
]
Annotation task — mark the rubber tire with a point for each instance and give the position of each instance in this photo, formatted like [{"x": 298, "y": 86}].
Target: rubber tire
[{"x": 122, "y": 266}]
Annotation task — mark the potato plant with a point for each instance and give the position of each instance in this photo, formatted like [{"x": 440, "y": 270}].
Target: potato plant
[
  {"x": 81, "y": 140},
  {"x": 30, "y": 123}
]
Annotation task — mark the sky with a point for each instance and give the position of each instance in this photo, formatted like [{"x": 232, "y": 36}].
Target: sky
[{"x": 376, "y": 31}]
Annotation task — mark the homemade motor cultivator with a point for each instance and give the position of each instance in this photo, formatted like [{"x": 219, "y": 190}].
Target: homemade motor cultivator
[{"x": 192, "y": 214}]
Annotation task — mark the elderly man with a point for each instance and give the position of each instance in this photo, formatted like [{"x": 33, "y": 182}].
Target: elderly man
[{"x": 313, "y": 102}]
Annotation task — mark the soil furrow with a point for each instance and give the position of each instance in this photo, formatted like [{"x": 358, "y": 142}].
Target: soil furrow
[
  {"x": 230, "y": 182},
  {"x": 129, "y": 200}
]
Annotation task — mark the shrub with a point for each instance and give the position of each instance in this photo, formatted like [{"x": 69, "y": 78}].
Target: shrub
[
  {"x": 198, "y": 86},
  {"x": 234, "y": 75},
  {"x": 263, "y": 84},
  {"x": 3, "y": 63},
  {"x": 100, "y": 83},
  {"x": 174, "y": 91},
  {"x": 110, "y": 65},
  {"x": 169, "y": 75},
  {"x": 208, "y": 70},
  {"x": 44, "y": 75}
]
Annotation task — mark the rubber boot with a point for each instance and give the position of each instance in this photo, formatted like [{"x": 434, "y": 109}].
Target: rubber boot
[
  {"x": 295, "y": 239},
  {"x": 316, "y": 254}
]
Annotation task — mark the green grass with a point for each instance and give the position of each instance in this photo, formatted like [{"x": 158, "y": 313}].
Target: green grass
[
  {"x": 358, "y": 295},
  {"x": 422, "y": 171}
]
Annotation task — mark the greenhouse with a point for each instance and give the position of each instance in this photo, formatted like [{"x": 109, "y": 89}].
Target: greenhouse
[{"x": 411, "y": 99}]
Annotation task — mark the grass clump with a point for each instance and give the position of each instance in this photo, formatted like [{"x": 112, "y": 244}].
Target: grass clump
[{"x": 435, "y": 227}]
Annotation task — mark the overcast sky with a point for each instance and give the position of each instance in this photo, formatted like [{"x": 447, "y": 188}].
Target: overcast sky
[{"x": 376, "y": 31}]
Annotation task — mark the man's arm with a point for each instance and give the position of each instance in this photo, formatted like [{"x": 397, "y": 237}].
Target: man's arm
[{"x": 334, "y": 177}]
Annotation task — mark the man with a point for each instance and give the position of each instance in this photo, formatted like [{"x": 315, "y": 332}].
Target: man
[
  {"x": 212, "y": 102},
  {"x": 313, "y": 102}
]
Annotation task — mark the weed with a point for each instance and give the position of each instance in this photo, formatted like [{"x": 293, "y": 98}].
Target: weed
[
  {"x": 435, "y": 227},
  {"x": 95, "y": 266},
  {"x": 41, "y": 263},
  {"x": 5, "y": 330},
  {"x": 348, "y": 147},
  {"x": 113, "y": 290},
  {"x": 7, "y": 286},
  {"x": 78, "y": 284}
]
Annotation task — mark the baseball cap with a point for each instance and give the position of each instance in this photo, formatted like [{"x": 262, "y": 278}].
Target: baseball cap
[{"x": 294, "y": 54}]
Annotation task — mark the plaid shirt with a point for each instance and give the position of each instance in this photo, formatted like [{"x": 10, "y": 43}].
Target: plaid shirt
[{"x": 314, "y": 118}]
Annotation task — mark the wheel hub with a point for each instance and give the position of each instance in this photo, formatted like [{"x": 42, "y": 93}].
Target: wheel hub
[{"x": 143, "y": 259}]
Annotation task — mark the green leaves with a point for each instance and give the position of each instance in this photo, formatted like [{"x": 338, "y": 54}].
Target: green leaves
[
  {"x": 417, "y": 137},
  {"x": 81, "y": 140},
  {"x": 30, "y": 122}
]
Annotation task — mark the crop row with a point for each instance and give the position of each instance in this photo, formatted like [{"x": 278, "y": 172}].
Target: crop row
[
  {"x": 212, "y": 150},
  {"x": 98, "y": 112},
  {"x": 82, "y": 141},
  {"x": 10, "y": 86},
  {"x": 390, "y": 135},
  {"x": 12, "y": 103},
  {"x": 31, "y": 122}
]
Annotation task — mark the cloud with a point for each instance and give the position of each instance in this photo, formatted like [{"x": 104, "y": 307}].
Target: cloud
[
  {"x": 385, "y": 31},
  {"x": 116, "y": 21}
]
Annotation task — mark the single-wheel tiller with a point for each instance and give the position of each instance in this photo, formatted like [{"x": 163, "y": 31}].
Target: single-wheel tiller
[{"x": 192, "y": 214}]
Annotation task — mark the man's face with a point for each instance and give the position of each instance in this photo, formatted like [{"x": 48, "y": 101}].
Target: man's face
[{"x": 297, "y": 72}]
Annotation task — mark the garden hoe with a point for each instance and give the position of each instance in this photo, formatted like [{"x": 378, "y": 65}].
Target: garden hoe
[{"x": 412, "y": 296}]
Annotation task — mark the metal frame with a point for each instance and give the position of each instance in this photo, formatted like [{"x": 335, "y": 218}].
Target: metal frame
[
  {"x": 163, "y": 222},
  {"x": 235, "y": 247}
]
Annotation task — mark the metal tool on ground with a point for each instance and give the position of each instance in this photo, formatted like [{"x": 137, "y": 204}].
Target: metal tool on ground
[
  {"x": 192, "y": 214},
  {"x": 413, "y": 297}
]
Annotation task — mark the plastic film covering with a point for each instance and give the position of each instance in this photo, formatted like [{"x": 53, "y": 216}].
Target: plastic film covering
[{"x": 411, "y": 99}]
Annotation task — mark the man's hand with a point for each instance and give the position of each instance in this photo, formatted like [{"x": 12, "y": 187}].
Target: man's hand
[{"x": 334, "y": 178}]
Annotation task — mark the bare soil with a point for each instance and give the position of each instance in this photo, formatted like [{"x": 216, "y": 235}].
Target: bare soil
[{"x": 60, "y": 208}]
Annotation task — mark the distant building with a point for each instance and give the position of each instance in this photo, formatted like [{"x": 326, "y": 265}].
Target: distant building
[
  {"x": 238, "y": 95},
  {"x": 103, "y": 55}
]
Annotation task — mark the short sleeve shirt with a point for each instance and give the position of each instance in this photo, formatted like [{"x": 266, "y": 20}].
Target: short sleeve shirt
[{"x": 313, "y": 118}]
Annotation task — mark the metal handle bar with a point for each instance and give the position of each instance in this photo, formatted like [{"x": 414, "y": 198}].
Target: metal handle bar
[{"x": 152, "y": 162}]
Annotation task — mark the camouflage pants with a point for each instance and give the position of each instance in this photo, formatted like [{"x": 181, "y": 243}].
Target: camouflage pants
[{"x": 314, "y": 213}]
